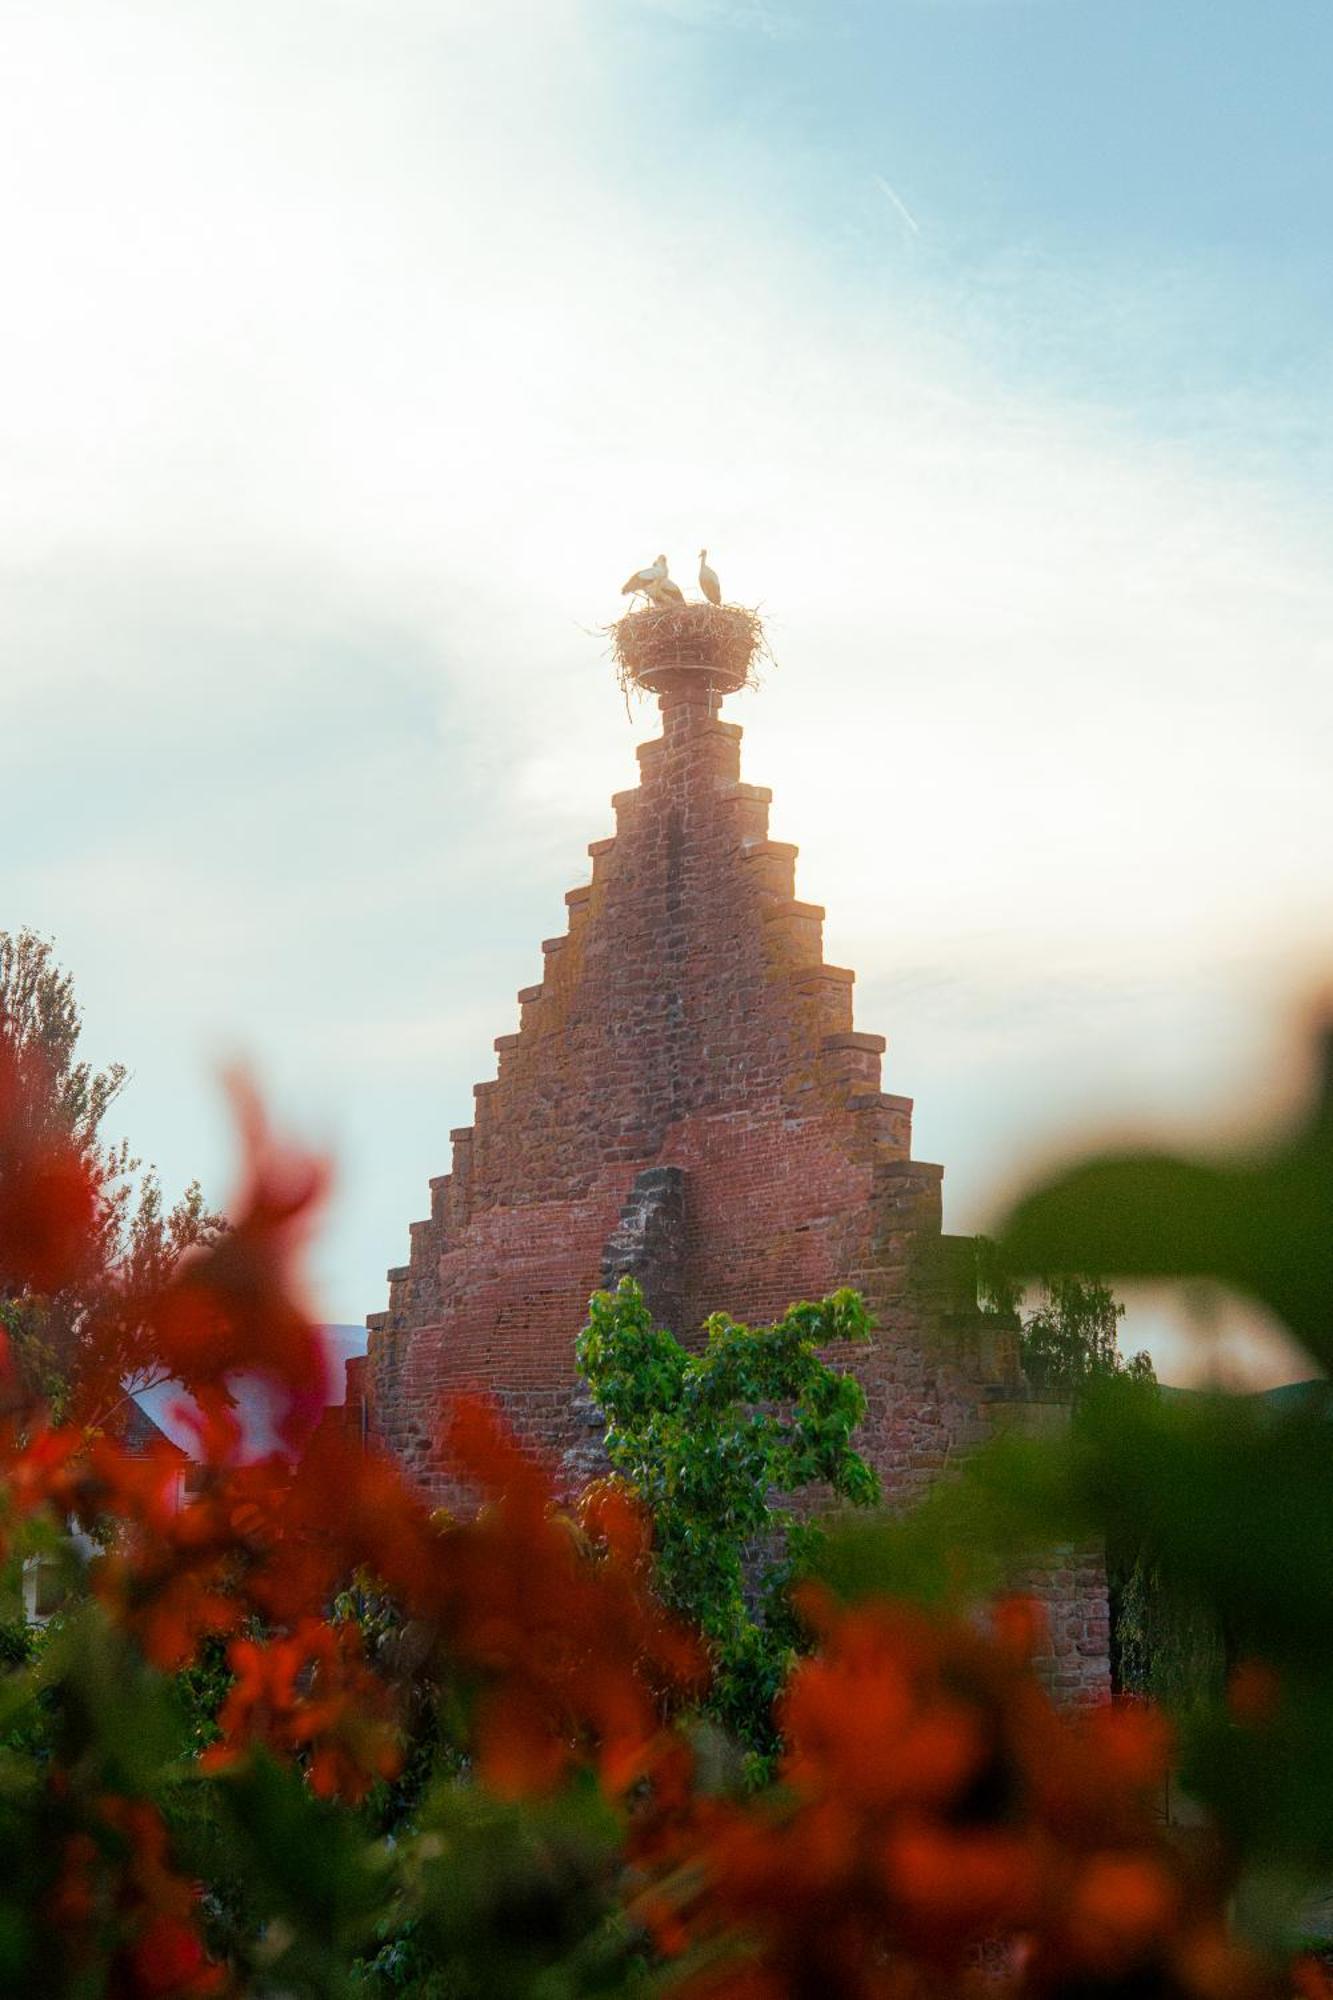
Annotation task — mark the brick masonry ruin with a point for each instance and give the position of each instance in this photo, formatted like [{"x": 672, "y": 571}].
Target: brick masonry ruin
[{"x": 687, "y": 1098}]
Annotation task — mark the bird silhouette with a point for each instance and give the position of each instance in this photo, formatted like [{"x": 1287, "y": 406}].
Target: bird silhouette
[
  {"x": 641, "y": 583},
  {"x": 708, "y": 582}
]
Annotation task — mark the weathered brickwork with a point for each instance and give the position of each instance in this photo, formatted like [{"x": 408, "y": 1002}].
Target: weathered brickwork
[
  {"x": 649, "y": 1243},
  {"x": 686, "y": 1020}
]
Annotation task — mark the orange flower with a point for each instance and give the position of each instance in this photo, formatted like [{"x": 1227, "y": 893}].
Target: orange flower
[
  {"x": 119, "y": 1903},
  {"x": 864, "y": 1718},
  {"x": 967, "y": 1884},
  {"x": 573, "y": 1655},
  {"x": 1021, "y": 1626},
  {"x": 614, "y": 1519},
  {"x": 234, "y": 1307},
  {"x": 1120, "y": 1906},
  {"x": 936, "y": 1804},
  {"x": 1254, "y": 1694},
  {"x": 167, "y": 1961},
  {"x": 50, "y": 1187},
  {"x": 310, "y": 1694},
  {"x": 1129, "y": 1741}
]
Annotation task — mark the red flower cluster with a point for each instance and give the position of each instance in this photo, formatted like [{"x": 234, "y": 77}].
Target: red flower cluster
[
  {"x": 310, "y": 1694},
  {"x": 939, "y": 1827},
  {"x": 563, "y": 1648},
  {"x": 50, "y": 1187},
  {"x": 236, "y": 1306},
  {"x": 570, "y": 1652},
  {"x": 553, "y": 1636},
  {"x": 121, "y": 1920}
]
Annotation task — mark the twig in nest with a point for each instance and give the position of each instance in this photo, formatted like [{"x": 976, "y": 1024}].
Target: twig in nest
[{"x": 729, "y": 638}]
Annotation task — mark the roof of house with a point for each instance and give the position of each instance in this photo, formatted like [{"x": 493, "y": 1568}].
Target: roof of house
[
  {"x": 139, "y": 1434},
  {"x": 168, "y": 1406}
]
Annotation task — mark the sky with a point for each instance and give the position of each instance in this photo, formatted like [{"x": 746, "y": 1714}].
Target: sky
[{"x": 356, "y": 349}]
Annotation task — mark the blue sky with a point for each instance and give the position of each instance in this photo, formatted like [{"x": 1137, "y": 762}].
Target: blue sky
[{"x": 361, "y": 348}]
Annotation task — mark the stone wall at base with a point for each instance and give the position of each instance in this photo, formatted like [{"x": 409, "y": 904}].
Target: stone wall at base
[
  {"x": 1072, "y": 1589},
  {"x": 687, "y": 1096}
]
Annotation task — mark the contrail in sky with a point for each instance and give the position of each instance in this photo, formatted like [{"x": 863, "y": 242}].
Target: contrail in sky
[{"x": 898, "y": 203}]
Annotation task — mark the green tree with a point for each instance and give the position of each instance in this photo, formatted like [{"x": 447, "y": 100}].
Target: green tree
[
  {"x": 1071, "y": 1337},
  {"x": 1163, "y": 1643},
  {"x": 139, "y": 1236},
  {"x": 714, "y": 1443}
]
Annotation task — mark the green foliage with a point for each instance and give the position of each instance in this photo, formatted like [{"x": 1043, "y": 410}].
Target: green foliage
[
  {"x": 17, "y": 1643},
  {"x": 1003, "y": 1507},
  {"x": 1165, "y": 1643},
  {"x": 403, "y": 1653},
  {"x": 1072, "y": 1338},
  {"x": 201, "y": 1689},
  {"x": 511, "y": 1898},
  {"x": 709, "y": 1441},
  {"x": 1161, "y": 1643},
  {"x": 1219, "y": 1506},
  {"x": 1259, "y": 1225},
  {"x": 310, "y": 1879},
  {"x": 40, "y": 1010},
  {"x": 140, "y": 1235}
]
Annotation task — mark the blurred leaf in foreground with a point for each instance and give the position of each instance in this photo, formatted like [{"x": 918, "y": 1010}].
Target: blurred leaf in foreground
[{"x": 1263, "y": 1225}]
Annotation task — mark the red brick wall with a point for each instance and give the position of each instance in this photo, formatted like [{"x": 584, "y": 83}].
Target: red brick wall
[{"x": 685, "y": 1019}]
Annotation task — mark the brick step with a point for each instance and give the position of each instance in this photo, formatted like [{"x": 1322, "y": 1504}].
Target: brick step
[
  {"x": 770, "y": 867},
  {"x": 504, "y": 1046},
  {"x": 887, "y": 1119},
  {"x": 798, "y": 928},
  {"x": 901, "y": 1173},
  {"x": 828, "y": 988},
  {"x": 529, "y": 999},
  {"x": 459, "y": 1179},
  {"x": 750, "y": 805},
  {"x": 853, "y": 1060}
]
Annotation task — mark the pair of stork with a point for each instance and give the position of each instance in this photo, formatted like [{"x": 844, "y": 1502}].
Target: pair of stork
[{"x": 654, "y": 584}]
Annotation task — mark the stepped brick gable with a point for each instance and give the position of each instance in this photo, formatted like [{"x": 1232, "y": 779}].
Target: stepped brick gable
[{"x": 688, "y": 1098}]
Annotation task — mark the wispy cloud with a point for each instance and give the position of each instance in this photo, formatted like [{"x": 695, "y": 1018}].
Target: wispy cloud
[{"x": 897, "y": 203}]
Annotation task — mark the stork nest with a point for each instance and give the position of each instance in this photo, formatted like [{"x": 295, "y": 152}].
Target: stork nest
[{"x": 728, "y": 638}]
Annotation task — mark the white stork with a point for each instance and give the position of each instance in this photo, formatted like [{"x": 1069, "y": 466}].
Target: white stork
[
  {"x": 665, "y": 593},
  {"x": 708, "y": 582},
  {"x": 644, "y": 581}
]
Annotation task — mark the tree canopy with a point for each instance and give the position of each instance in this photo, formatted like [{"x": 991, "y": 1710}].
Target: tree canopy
[
  {"x": 55, "y": 1336},
  {"x": 714, "y": 1443}
]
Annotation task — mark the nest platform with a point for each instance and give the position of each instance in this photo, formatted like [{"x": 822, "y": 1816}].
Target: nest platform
[{"x": 716, "y": 646}]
